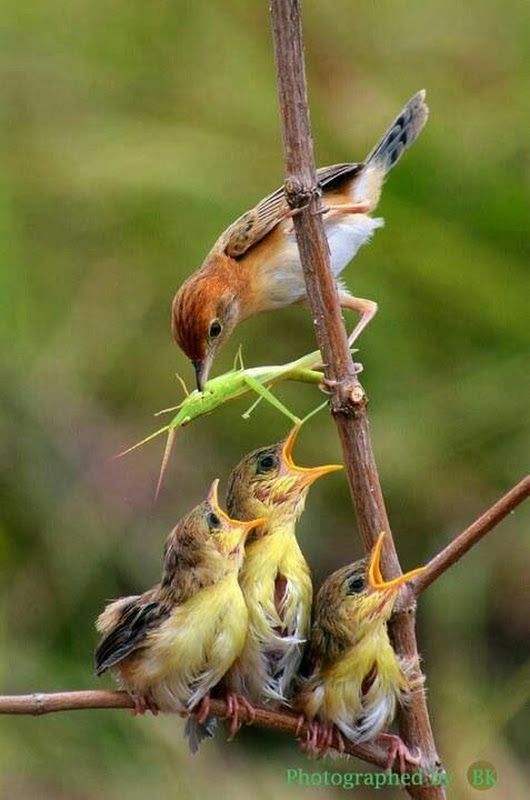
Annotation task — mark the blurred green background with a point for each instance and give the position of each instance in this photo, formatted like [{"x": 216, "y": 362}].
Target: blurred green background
[{"x": 131, "y": 135}]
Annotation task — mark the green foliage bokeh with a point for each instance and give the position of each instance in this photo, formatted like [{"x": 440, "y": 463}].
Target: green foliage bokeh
[{"x": 131, "y": 135}]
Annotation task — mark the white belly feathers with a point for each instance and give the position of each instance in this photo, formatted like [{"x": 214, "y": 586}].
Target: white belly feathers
[{"x": 346, "y": 234}]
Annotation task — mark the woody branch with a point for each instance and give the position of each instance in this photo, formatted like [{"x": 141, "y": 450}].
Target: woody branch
[
  {"x": 38, "y": 704},
  {"x": 348, "y": 400}
]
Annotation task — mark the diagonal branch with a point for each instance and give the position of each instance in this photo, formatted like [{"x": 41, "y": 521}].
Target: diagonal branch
[
  {"x": 348, "y": 401},
  {"x": 473, "y": 534}
]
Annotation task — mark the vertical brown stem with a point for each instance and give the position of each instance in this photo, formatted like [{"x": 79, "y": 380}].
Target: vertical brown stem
[{"x": 348, "y": 401}]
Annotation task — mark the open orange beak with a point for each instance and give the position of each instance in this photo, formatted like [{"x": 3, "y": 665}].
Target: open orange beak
[
  {"x": 376, "y": 580},
  {"x": 308, "y": 475},
  {"x": 245, "y": 526}
]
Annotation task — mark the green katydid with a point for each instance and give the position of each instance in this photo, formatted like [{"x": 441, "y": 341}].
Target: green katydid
[{"x": 231, "y": 386}]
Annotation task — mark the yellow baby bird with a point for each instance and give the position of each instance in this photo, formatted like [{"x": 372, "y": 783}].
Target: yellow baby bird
[
  {"x": 275, "y": 577},
  {"x": 169, "y": 646},
  {"x": 355, "y": 678}
]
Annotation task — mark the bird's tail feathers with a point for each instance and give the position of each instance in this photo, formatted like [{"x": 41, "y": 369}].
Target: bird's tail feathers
[
  {"x": 196, "y": 732},
  {"x": 401, "y": 134}
]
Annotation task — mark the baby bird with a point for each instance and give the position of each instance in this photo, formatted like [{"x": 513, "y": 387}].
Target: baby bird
[
  {"x": 171, "y": 645},
  {"x": 275, "y": 578},
  {"x": 254, "y": 266},
  {"x": 355, "y": 678}
]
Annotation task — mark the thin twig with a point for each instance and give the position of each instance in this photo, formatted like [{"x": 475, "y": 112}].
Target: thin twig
[
  {"x": 38, "y": 704},
  {"x": 473, "y": 534},
  {"x": 347, "y": 400}
]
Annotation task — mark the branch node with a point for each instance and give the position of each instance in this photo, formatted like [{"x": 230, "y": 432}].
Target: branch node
[
  {"x": 299, "y": 195},
  {"x": 348, "y": 398},
  {"x": 39, "y": 704}
]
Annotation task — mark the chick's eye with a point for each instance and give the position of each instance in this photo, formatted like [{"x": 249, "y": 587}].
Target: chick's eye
[
  {"x": 215, "y": 329},
  {"x": 213, "y": 521},
  {"x": 266, "y": 462},
  {"x": 355, "y": 585}
]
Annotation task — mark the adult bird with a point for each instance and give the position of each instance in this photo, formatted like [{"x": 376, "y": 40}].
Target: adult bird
[
  {"x": 254, "y": 266},
  {"x": 355, "y": 680}
]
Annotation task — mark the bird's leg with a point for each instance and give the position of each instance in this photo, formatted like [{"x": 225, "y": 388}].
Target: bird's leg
[
  {"x": 202, "y": 709},
  {"x": 335, "y": 739},
  {"x": 235, "y": 703},
  {"x": 366, "y": 308},
  {"x": 143, "y": 703},
  {"x": 325, "y": 738},
  {"x": 398, "y": 749},
  {"x": 330, "y": 738},
  {"x": 328, "y": 384},
  {"x": 357, "y": 207},
  {"x": 312, "y": 737},
  {"x": 320, "y": 737},
  {"x": 308, "y": 742}
]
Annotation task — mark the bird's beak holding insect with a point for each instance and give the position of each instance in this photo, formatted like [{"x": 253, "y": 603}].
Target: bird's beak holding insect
[
  {"x": 201, "y": 372},
  {"x": 235, "y": 531},
  {"x": 305, "y": 475},
  {"x": 376, "y": 582},
  {"x": 202, "y": 366}
]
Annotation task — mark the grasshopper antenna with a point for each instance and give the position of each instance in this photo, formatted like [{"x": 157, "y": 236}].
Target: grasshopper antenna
[{"x": 139, "y": 444}]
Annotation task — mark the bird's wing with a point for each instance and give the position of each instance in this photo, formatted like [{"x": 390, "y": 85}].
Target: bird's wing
[
  {"x": 250, "y": 228},
  {"x": 136, "y": 622},
  {"x": 332, "y": 177}
]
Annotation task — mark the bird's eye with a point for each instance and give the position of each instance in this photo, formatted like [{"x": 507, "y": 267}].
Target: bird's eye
[
  {"x": 215, "y": 329},
  {"x": 266, "y": 462},
  {"x": 213, "y": 521},
  {"x": 355, "y": 585}
]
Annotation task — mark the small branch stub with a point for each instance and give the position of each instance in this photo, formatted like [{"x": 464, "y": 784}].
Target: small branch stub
[{"x": 299, "y": 196}]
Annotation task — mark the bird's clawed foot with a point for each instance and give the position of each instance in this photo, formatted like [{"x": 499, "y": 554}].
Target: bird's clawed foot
[
  {"x": 397, "y": 749},
  {"x": 357, "y": 207},
  {"x": 202, "y": 709},
  {"x": 142, "y": 704},
  {"x": 328, "y": 385},
  {"x": 235, "y": 703},
  {"x": 320, "y": 737}
]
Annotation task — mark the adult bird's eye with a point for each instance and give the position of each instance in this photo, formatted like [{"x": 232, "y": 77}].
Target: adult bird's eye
[
  {"x": 355, "y": 584},
  {"x": 213, "y": 521},
  {"x": 266, "y": 462},
  {"x": 215, "y": 329}
]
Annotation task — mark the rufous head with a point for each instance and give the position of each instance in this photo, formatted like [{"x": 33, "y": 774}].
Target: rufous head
[
  {"x": 203, "y": 315},
  {"x": 267, "y": 482}
]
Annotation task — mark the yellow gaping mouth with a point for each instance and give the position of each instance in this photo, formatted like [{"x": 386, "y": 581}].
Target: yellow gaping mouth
[
  {"x": 375, "y": 578},
  {"x": 307, "y": 474},
  {"x": 246, "y": 526}
]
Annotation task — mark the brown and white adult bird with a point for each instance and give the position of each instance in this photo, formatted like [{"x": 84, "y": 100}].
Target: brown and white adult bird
[{"x": 254, "y": 266}]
